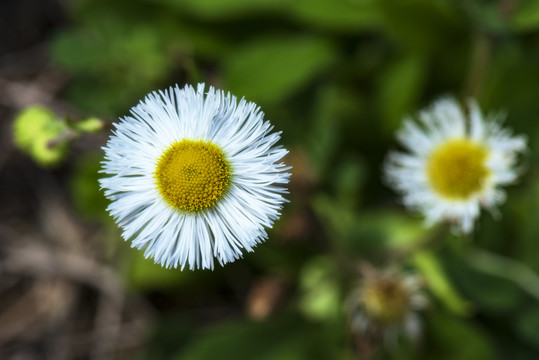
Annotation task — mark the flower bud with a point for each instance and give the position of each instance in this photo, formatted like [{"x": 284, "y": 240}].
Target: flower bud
[{"x": 38, "y": 132}]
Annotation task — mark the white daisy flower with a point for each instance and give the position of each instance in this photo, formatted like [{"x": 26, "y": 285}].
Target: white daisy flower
[
  {"x": 455, "y": 163},
  {"x": 194, "y": 176}
]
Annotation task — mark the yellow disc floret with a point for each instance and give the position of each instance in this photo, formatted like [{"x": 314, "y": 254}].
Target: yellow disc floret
[
  {"x": 457, "y": 168},
  {"x": 385, "y": 299},
  {"x": 192, "y": 175}
]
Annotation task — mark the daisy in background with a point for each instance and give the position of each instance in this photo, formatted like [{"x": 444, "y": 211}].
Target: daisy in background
[
  {"x": 455, "y": 163},
  {"x": 194, "y": 176}
]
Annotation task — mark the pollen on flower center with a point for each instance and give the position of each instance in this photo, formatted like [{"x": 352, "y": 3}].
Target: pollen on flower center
[
  {"x": 192, "y": 175},
  {"x": 457, "y": 168}
]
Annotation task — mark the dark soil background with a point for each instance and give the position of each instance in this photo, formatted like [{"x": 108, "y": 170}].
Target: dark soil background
[{"x": 57, "y": 299}]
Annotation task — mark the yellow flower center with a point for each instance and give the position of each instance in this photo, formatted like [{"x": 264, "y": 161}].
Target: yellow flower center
[
  {"x": 192, "y": 175},
  {"x": 457, "y": 168},
  {"x": 386, "y": 300}
]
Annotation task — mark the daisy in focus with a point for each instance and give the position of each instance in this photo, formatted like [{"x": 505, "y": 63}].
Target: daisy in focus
[
  {"x": 194, "y": 176},
  {"x": 454, "y": 164}
]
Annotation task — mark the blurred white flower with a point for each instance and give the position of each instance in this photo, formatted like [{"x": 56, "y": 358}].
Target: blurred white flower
[
  {"x": 194, "y": 176},
  {"x": 454, "y": 164}
]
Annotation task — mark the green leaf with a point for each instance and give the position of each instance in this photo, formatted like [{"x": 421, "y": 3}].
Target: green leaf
[
  {"x": 340, "y": 221},
  {"x": 230, "y": 9},
  {"x": 438, "y": 283},
  {"x": 340, "y": 15},
  {"x": 522, "y": 211},
  {"x": 487, "y": 15},
  {"x": 401, "y": 231},
  {"x": 372, "y": 233},
  {"x": 493, "y": 281},
  {"x": 407, "y": 21},
  {"x": 287, "y": 338},
  {"x": 386, "y": 232},
  {"x": 527, "y": 324},
  {"x": 526, "y": 16},
  {"x": 333, "y": 105},
  {"x": 320, "y": 299},
  {"x": 450, "y": 337},
  {"x": 400, "y": 88},
  {"x": 349, "y": 180},
  {"x": 271, "y": 69},
  {"x": 112, "y": 62}
]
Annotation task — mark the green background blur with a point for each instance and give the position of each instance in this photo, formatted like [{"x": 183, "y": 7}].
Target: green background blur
[{"x": 336, "y": 77}]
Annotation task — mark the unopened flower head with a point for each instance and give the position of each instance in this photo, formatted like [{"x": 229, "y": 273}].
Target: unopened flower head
[
  {"x": 194, "y": 176},
  {"x": 454, "y": 164},
  {"x": 38, "y": 132},
  {"x": 385, "y": 305}
]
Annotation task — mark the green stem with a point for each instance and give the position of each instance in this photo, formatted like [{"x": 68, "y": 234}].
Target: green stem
[
  {"x": 482, "y": 52},
  {"x": 480, "y": 62},
  {"x": 510, "y": 269},
  {"x": 66, "y": 135}
]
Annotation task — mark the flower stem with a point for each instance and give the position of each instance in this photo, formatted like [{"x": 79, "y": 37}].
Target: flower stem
[
  {"x": 480, "y": 62},
  {"x": 483, "y": 52}
]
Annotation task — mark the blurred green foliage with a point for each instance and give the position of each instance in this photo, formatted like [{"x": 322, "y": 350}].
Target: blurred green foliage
[
  {"x": 285, "y": 338},
  {"x": 36, "y": 130},
  {"x": 337, "y": 77}
]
